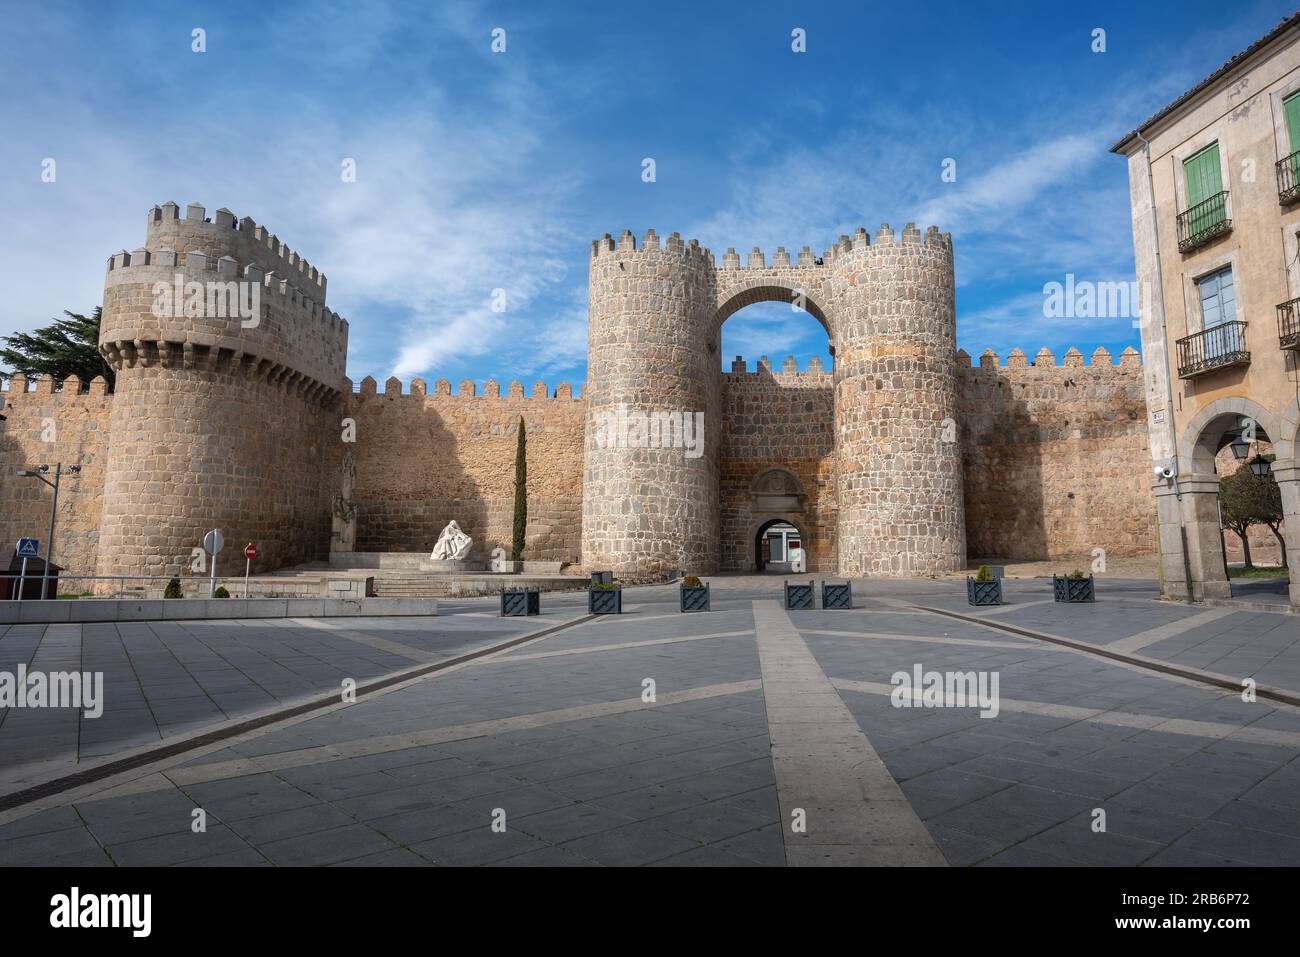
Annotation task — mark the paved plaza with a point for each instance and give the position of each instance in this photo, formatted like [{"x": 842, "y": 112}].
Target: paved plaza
[{"x": 748, "y": 735}]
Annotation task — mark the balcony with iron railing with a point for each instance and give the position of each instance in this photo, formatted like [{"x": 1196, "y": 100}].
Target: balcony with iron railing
[
  {"x": 1288, "y": 324},
  {"x": 1288, "y": 179},
  {"x": 1217, "y": 347},
  {"x": 1204, "y": 222}
]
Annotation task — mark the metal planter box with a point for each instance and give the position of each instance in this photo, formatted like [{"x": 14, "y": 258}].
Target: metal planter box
[
  {"x": 984, "y": 593},
  {"x": 605, "y": 601},
  {"x": 835, "y": 596},
  {"x": 695, "y": 599},
  {"x": 1073, "y": 589},
  {"x": 799, "y": 597},
  {"x": 520, "y": 603}
]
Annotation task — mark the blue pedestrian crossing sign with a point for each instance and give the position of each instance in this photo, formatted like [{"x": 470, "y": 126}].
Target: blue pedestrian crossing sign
[{"x": 28, "y": 548}]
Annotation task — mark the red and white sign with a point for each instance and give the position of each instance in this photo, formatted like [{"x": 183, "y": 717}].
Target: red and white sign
[{"x": 250, "y": 550}]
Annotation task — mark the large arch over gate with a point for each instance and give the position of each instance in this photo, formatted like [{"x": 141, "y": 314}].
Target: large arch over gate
[
  {"x": 733, "y": 297},
  {"x": 890, "y": 481}
]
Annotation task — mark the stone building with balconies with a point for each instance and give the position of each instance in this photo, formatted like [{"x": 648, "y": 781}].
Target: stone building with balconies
[{"x": 1214, "y": 180}]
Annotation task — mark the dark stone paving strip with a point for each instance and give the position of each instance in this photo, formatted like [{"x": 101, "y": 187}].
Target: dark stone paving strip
[
  {"x": 91, "y": 775},
  {"x": 1152, "y": 664}
]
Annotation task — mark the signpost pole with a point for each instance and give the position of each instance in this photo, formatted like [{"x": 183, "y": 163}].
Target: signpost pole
[
  {"x": 49, "y": 545},
  {"x": 213, "y": 542},
  {"x": 22, "y": 578},
  {"x": 250, "y": 552}
]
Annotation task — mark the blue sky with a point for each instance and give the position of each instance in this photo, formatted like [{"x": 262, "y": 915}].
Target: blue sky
[{"x": 478, "y": 171}]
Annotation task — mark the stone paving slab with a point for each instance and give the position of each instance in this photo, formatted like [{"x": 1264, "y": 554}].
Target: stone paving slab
[
  {"x": 166, "y": 678},
  {"x": 587, "y": 773},
  {"x": 1222, "y": 640},
  {"x": 1161, "y": 757}
]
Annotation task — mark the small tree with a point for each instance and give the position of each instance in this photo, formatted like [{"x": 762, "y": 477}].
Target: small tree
[
  {"x": 521, "y": 494},
  {"x": 1237, "y": 503},
  {"x": 1264, "y": 502}
]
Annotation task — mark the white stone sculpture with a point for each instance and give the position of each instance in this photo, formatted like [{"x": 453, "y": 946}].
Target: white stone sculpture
[{"x": 452, "y": 545}]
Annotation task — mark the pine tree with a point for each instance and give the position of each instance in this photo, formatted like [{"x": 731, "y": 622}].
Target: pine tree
[
  {"x": 68, "y": 347},
  {"x": 521, "y": 494}
]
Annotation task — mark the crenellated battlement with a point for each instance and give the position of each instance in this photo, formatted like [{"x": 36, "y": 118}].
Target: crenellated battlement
[
  {"x": 167, "y": 228},
  {"x": 861, "y": 240},
  {"x": 152, "y": 266},
  {"x": 788, "y": 368},
  {"x": 1045, "y": 359},
  {"x": 674, "y": 246},
  {"x": 468, "y": 389},
  {"x": 223, "y": 296},
  {"x": 70, "y": 389}
]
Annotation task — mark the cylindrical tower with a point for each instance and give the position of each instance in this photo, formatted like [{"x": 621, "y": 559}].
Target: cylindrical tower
[
  {"x": 229, "y": 368},
  {"x": 650, "y": 490},
  {"x": 899, "y": 484}
]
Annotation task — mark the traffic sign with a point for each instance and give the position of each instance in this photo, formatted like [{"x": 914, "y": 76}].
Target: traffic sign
[
  {"x": 213, "y": 542},
  {"x": 250, "y": 550},
  {"x": 28, "y": 548}
]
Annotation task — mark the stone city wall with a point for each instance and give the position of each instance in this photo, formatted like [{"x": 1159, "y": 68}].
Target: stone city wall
[
  {"x": 1048, "y": 451},
  {"x": 44, "y": 426},
  {"x": 1055, "y": 456},
  {"x": 423, "y": 459}
]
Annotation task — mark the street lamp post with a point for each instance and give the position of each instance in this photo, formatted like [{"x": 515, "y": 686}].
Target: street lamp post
[{"x": 38, "y": 472}]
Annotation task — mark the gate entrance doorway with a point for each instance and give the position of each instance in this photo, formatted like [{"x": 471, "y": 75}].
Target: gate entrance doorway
[{"x": 779, "y": 548}]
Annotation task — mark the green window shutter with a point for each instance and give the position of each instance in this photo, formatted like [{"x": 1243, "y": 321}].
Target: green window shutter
[
  {"x": 1203, "y": 175},
  {"x": 1292, "y": 107}
]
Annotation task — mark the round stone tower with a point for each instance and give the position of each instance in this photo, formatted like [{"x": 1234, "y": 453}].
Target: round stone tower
[
  {"x": 899, "y": 484},
  {"x": 229, "y": 368},
  {"x": 650, "y": 480}
]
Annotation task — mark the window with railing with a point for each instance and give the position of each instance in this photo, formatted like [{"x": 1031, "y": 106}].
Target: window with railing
[
  {"x": 1288, "y": 324},
  {"x": 1288, "y": 179},
  {"x": 1204, "y": 222},
  {"x": 1213, "y": 348}
]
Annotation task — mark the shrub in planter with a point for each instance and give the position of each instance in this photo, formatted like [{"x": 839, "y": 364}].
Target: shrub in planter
[
  {"x": 984, "y": 589},
  {"x": 605, "y": 598},
  {"x": 1075, "y": 587},
  {"x": 221, "y": 592},
  {"x": 694, "y": 594},
  {"x": 173, "y": 589}
]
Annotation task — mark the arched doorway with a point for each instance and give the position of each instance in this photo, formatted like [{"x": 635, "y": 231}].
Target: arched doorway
[
  {"x": 777, "y": 544},
  {"x": 778, "y": 432},
  {"x": 1193, "y": 500}
]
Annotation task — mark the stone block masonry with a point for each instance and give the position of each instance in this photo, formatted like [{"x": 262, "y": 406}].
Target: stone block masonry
[
  {"x": 899, "y": 460},
  {"x": 45, "y": 425},
  {"x": 424, "y": 459},
  {"x": 217, "y": 421},
  {"x": 1054, "y": 456}
]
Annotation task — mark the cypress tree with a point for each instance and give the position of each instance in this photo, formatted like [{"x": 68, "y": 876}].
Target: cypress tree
[{"x": 521, "y": 494}]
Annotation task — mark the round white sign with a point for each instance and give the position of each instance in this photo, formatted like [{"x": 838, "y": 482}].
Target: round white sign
[{"x": 213, "y": 542}]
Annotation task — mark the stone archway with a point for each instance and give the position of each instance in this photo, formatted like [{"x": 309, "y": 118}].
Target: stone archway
[
  {"x": 759, "y": 528},
  {"x": 890, "y": 479},
  {"x": 1190, "y": 504}
]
